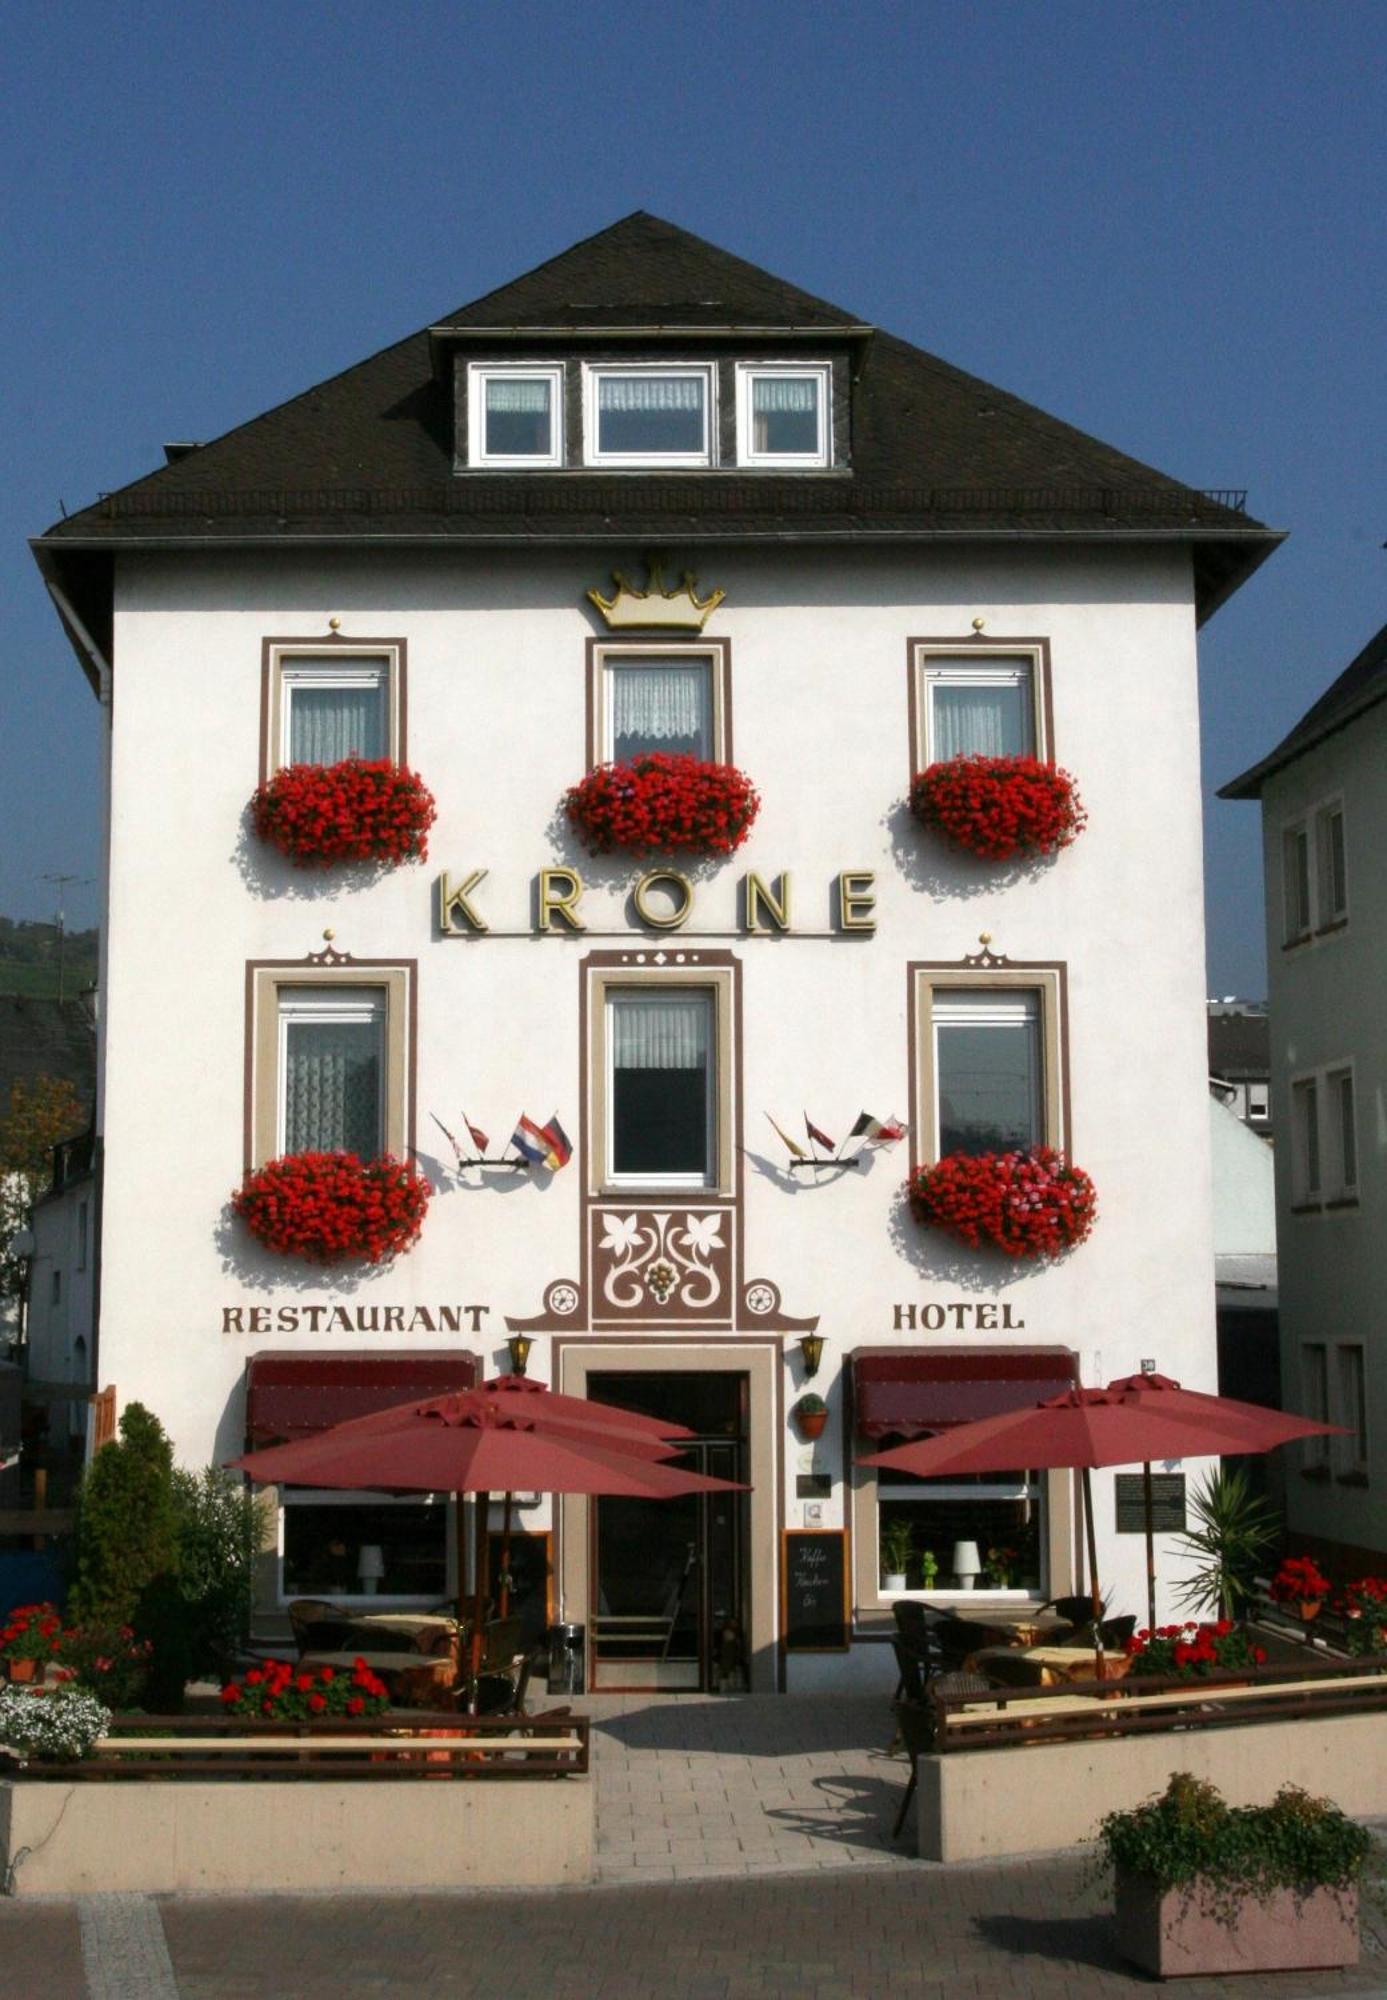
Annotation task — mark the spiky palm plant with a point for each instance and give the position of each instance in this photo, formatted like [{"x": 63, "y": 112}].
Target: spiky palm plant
[{"x": 1234, "y": 1530}]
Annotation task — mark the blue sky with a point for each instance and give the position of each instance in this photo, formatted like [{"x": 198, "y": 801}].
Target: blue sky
[{"x": 1162, "y": 222}]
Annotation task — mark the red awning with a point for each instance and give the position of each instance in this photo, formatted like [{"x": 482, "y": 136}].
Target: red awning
[
  {"x": 292, "y": 1395},
  {"x": 911, "y": 1392}
]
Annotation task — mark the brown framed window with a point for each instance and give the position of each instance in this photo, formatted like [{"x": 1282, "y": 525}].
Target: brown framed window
[
  {"x": 658, "y": 695},
  {"x": 979, "y": 700},
  {"x": 330, "y": 1060},
  {"x": 325, "y": 702}
]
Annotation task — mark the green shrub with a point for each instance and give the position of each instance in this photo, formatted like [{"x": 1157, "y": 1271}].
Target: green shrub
[
  {"x": 219, "y": 1527},
  {"x": 125, "y": 1530},
  {"x": 1191, "y": 1834}
]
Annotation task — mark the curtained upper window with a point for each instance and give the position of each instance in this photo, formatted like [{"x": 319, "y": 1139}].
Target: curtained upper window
[
  {"x": 782, "y": 414},
  {"x": 649, "y": 415},
  {"x": 514, "y": 415},
  {"x": 658, "y": 702},
  {"x": 661, "y": 1084},
  {"x": 335, "y": 708},
  {"x": 982, "y": 707},
  {"x": 987, "y": 1067}
]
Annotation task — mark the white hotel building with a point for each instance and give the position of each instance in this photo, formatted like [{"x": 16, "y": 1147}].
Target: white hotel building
[{"x": 908, "y": 564}]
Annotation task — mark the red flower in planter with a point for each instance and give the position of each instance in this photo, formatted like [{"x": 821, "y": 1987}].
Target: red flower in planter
[
  {"x": 358, "y": 810},
  {"x": 999, "y": 807},
  {"x": 663, "y": 803},
  {"x": 1032, "y": 1204},
  {"x": 330, "y": 1207},
  {"x": 278, "y": 1692},
  {"x": 1298, "y": 1579}
]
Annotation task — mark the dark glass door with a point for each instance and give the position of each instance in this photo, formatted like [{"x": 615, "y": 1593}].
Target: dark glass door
[{"x": 669, "y": 1597}]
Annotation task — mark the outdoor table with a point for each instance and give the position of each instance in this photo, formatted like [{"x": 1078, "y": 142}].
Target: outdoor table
[{"x": 1049, "y": 1666}]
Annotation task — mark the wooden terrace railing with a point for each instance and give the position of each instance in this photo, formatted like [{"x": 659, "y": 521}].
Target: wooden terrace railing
[
  {"x": 1113, "y": 1708},
  {"x": 550, "y": 1745}
]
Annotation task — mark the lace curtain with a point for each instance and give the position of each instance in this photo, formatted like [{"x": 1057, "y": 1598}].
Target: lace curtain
[
  {"x": 983, "y": 721},
  {"x": 529, "y": 398},
  {"x": 332, "y": 1088},
  {"x": 650, "y": 392},
  {"x": 327, "y": 724},
  {"x": 659, "y": 706},
  {"x": 774, "y": 392},
  {"x": 660, "y": 1032}
]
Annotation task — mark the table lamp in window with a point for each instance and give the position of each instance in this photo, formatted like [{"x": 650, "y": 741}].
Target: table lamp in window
[
  {"x": 370, "y": 1567},
  {"x": 967, "y": 1564}
]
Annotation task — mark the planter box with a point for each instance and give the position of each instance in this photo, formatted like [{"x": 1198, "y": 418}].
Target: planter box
[{"x": 1180, "y": 1931}]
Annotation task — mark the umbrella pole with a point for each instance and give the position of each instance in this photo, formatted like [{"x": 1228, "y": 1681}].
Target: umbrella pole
[
  {"x": 482, "y": 1502},
  {"x": 1094, "y": 1596},
  {"x": 503, "y": 1595},
  {"x": 1149, "y": 1506}
]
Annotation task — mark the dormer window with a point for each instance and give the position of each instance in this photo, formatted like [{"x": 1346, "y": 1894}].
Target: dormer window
[
  {"x": 648, "y": 415},
  {"x": 515, "y": 416},
  {"x": 782, "y": 414}
]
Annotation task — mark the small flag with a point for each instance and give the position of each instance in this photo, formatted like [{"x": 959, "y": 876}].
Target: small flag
[
  {"x": 820, "y": 1138},
  {"x": 877, "y": 1131},
  {"x": 476, "y": 1134},
  {"x": 785, "y": 1139},
  {"x": 561, "y": 1149},
  {"x": 529, "y": 1141},
  {"x": 457, "y": 1150}
]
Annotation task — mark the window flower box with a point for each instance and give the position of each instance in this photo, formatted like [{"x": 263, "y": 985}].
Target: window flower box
[
  {"x": 358, "y": 810},
  {"x": 661, "y": 803},
  {"x": 1000, "y": 808},
  {"x": 1032, "y": 1204},
  {"x": 1193, "y": 1651},
  {"x": 333, "y": 1207}
]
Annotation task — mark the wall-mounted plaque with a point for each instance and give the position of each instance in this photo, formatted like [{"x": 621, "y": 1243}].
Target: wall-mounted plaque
[
  {"x": 1167, "y": 1503},
  {"x": 813, "y": 1485}
]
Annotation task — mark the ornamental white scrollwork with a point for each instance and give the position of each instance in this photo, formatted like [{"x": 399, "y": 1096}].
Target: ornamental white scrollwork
[{"x": 664, "y": 1255}]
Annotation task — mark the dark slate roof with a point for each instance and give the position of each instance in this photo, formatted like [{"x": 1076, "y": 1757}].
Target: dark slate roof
[
  {"x": 1360, "y": 686},
  {"x": 369, "y": 452},
  {"x": 1239, "y": 1045},
  {"x": 47, "y": 1038}
]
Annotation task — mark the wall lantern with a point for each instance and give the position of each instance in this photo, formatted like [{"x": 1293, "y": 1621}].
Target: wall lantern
[
  {"x": 518, "y": 1346},
  {"x": 811, "y": 1347}
]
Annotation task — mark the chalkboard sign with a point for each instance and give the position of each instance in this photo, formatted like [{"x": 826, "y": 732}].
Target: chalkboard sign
[
  {"x": 1167, "y": 1503},
  {"x": 814, "y": 1590}
]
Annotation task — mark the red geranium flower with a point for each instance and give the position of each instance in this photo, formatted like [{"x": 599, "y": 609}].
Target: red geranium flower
[
  {"x": 331, "y": 1207},
  {"x": 358, "y": 810},
  {"x": 1031, "y": 1204},
  {"x": 662, "y": 803},
  {"x": 999, "y": 807}
]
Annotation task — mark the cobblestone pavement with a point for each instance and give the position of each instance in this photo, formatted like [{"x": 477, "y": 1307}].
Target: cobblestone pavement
[{"x": 698, "y": 1786}]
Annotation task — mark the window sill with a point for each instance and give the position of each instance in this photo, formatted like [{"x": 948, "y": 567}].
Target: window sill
[
  {"x": 1329, "y": 929},
  {"x": 1295, "y": 943},
  {"x": 1307, "y": 1207},
  {"x": 1342, "y": 1201}
]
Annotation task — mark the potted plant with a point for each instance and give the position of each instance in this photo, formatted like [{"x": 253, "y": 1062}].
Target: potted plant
[
  {"x": 1233, "y": 1530},
  {"x": 1301, "y": 1585},
  {"x": 1193, "y": 1652},
  {"x": 1033, "y": 1204},
  {"x": 1365, "y": 1615},
  {"x": 1001, "y": 1562},
  {"x": 1000, "y": 808},
  {"x": 811, "y": 1414},
  {"x": 363, "y": 809},
  {"x": 52, "y": 1725},
  {"x": 1204, "y": 1887},
  {"x": 897, "y": 1548},
  {"x": 663, "y": 803},
  {"x": 30, "y": 1638}
]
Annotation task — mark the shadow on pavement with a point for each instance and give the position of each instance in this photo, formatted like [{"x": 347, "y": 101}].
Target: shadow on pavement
[{"x": 1076, "y": 1941}]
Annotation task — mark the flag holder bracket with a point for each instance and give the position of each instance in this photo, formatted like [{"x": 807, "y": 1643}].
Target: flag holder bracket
[
  {"x": 808, "y": 1166},
  {"x": 516, "y": 1166}
]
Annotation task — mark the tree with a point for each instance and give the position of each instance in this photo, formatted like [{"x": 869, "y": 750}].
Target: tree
[
  {"x": 126, "y": 1529},
  {"x": 42, "y": 1110}
]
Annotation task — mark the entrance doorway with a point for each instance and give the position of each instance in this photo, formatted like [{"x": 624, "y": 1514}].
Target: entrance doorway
[{"x": 669, "y": 1577}]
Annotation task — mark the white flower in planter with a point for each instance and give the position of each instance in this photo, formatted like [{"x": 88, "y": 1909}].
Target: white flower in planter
[{"x": 57, "y": 1725}]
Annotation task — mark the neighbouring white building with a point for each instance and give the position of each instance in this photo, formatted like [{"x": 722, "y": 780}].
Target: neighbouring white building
[
  {"x": 907, "y": 565},
  {"x": 1323, "y": 792}
]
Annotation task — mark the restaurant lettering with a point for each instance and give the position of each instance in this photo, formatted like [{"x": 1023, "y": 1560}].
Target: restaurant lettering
[
  {"x": 981, "y": 1315},
  {"x": 331, "y": 1318}
]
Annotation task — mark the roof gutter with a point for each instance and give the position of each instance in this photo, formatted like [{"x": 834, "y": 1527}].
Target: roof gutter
[{"x": 95, "y": 664}]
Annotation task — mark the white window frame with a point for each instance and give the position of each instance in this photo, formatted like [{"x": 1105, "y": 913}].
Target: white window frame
[
  {"x": 1258, "y": 1100},
  {"x": 1352, "y": 1461},
  {"x": 343, "y": 1006},
  {"x": 718, "y": 981},
  {"x": 1330, "y": 910},
  {"x": 332, "y": 666},
  {"x": 479, "y": 374},
  {"x": 595, "y": 372},
  {"x": 959, "y": 664},
  {"x": 330, "y": 1496},
  {"x": 657, "y": 1182},
  {"x": 1036, "y": 1490},
  {"x": 1319, "y": 912},
  {"x": 1338, "y": 1175},
  {"x": 984, "y": 1007},
  {"x": 1045, "y": 982},
  {"x": 750, "y": 372},
  {"x": 608, "y": 659}
]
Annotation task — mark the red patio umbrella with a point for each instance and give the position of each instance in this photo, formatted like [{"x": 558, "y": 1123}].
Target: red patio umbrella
[
  {"x": 1084, "y": 1428},
  {"x": 462, "y": 1444}
]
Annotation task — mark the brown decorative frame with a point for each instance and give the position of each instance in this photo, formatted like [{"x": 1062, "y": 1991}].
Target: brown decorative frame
[
  {"x": 334, "y": 969},
  {"x": 272, "y": 648},
  {"x": 982, "y": 643},
  {"x": 720, "y": 651}
]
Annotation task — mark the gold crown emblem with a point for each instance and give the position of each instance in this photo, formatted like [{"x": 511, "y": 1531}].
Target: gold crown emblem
[{"x": 681, "y": 610}]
